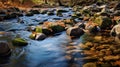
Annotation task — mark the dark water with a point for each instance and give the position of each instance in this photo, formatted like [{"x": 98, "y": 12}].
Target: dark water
[{"x": 46, "y": 53}]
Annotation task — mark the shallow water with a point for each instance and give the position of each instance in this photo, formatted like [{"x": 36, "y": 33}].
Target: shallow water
[{"x": 46, "y": 53}]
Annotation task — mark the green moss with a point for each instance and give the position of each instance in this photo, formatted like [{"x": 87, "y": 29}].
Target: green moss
[
  {"x": 32, "y": 36},
  {"x": 57, "y": 28},
  {"x": 38, "y": 29},
  {"x": 19, "y": 42}
]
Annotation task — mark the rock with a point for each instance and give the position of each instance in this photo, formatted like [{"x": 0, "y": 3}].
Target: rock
[
  {"x": 40, "y": 36},
  {"x": 116, "y": 13},
  {"x": 46, "y": 31},
  {"x": 50, "y": 13},
  {"x": 59, "y": 14},
  {"x": 89, "y": 44},
  {"x": 57, "y": 28},
  {"x": 10, "y": 16},
  {"x": 61, "y": 11},
  {"x": 29, "y": 14},
  {"x": 106, "y": 65},
  {"x": 103, "y": 22},
  {"x": 97, "y": 38},
  {"x": 117, "y": 7},
  {"x": 82, "y": 25},
  {"x": 19, "y": 42},
  {"x": 44, "y": 11},
  {"x": 38, "y": 29},
  {"x": 74, "y": 31},
  {"x": 90, "y": 65},
  {"x": 34, "y": 11},
  {"x": 37, "y": 36},
  {"x": 110, "y": 58},
  {"x": 4, "y": 49}
]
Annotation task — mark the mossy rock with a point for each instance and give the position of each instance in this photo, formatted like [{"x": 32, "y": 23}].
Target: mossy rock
[
  {"x": 103, "y": 22},
  {"x": 38, "y": 29},
  {"x": 29, "y": 14},
  {"x": 57, "y": 28},
  {"x": 19, "y": 42},
  {"x": 37, "y": 36},
  {"x": 32, "y": 36}
]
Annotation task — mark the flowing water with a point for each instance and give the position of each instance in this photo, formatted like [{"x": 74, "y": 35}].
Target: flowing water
[{"x": 46, "y": 53}]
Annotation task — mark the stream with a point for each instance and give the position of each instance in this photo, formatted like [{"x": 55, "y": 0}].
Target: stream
[{"x": 45, "y": 53}]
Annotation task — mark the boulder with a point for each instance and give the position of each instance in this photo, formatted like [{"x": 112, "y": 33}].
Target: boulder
[
  {"x": 37, "y": 36},
  {"x": 57, "y": 28},
  {"x": 46, "y": 31},
  {"x": 116, "y": 13},
  {"x": 103, "y": 22},
  {"x": 59, "y": 14},
  {"x": 61, "y": 11},
  {"x": 19, "y": 42},
  {"x": 50, "y": 13},
  {"x": 38, "y": 29},
  {"x": 117, "y": 7},
  {"x": 44, "y": 11},
  {"x": 29, "y": 14},
  {"x": 10, "y": 16},
  {"x": 4, "y": 49},
  {"x": 34, "y": 11},
  {"x": 75, "y": 31},
  {"x": 90, "y": 65}
]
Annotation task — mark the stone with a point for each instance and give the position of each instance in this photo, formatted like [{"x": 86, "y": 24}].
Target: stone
[
  {"x": 103, "y": 22},
  {"x": 46, "y": 31},
  {"x": 74, "y": 31},
  {"x": 19, "y": 42},
  {"x": 40, "y": 36},
  {"x": 97, "y": 38},
  {"x": 44, "y": 11},
  {"x": 4, "y": 49},
  {"x": 117, "y": 7},
  {"x": 34, "y": 11},
  {"x": 38, "y": 29},
  {"x": 50, "y": 13},
  {"x": 37, "y": 36},
  {"x": 59, "y": 14},
  {"x": 90, "y": 65},
  {"x": 29, "y": 14},
  {"x": 57, "y": 28},
  {"x": 61, "y": 11}
]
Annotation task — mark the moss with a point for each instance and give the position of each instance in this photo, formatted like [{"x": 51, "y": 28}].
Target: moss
[
  {"x": 57, "y": 28},
  {"x": 38, "y": 29},
  {"x": 32, "y": 36},
  {"x": 19, "y": 42}
]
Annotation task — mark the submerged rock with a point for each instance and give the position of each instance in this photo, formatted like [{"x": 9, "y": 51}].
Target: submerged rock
[
  {"x": 4, "y": 49},
  {"x": 19, "y": 42}
]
